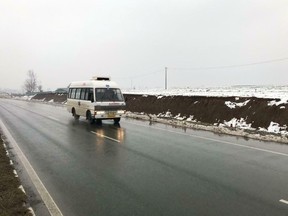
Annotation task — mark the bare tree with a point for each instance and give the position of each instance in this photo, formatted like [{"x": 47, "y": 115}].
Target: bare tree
[
  {"x": 30, "y": 84},
  {"x": 40, "y": 88}
]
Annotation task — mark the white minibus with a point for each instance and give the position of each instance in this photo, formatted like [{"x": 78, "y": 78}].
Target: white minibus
[{"x": 96, "y": 99}]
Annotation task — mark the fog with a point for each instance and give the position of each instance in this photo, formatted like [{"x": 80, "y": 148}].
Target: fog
[{"x": 201, "y": 42}]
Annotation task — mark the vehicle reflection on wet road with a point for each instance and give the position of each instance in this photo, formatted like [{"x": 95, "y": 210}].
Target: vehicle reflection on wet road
[{"x": 137, "y": 168}]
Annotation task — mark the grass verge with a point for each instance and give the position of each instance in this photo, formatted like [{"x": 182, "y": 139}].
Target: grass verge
[{"x": 12, "y": 198}]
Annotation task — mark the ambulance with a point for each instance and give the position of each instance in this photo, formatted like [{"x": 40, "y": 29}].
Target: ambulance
[{"x": 96, "y": 99}]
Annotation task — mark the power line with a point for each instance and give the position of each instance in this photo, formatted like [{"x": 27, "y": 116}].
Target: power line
[
  {"x": 232, "y": 66},
  {"x": 140, "y": 75},
  {"x": 146, "y": 74}
]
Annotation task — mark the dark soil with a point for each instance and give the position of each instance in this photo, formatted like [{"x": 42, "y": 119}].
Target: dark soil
[
  {"x": 211, "y": 109},
  {"x": 12, "y": 199},
  {"x": 58, "y": 98}
]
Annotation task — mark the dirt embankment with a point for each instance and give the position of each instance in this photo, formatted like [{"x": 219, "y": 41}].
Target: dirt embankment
[
  {"x": 212, "y": 110},
  {"x": 51, "y": 97}
]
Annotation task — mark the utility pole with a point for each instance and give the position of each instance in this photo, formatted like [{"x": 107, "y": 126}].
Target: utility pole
[
  {"x": 131, "y": 83},
  {"x": 166, "y": 78}
]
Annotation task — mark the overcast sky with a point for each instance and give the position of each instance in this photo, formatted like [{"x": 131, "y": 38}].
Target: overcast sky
[{"x": 134, "y": 40}]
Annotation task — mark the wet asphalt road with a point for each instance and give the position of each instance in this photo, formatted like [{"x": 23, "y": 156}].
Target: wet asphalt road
[{"x": 141, "y": 169}]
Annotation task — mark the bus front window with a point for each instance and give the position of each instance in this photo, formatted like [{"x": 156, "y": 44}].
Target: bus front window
[{"x": 111, "y": 94}]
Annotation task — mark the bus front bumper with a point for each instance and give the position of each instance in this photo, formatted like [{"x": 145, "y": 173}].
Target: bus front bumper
[{"x": 108, "y": 114}]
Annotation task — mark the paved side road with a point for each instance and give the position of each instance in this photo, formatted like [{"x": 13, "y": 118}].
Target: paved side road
[{"x": 136, "y": 168}]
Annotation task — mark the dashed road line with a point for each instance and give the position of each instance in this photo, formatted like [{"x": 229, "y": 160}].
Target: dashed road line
[
  {"x": 53, "y": 118},
  {"x": 46, "y": 197},
  {"x": 101, "y": 135},
  {"x": 283, "y": 201}
]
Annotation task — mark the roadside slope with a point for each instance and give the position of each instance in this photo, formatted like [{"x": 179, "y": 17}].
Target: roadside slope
[{"x": 258, "y": 112}]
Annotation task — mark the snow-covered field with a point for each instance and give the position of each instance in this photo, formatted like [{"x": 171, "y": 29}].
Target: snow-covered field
[{"x": 277, "y": 92}]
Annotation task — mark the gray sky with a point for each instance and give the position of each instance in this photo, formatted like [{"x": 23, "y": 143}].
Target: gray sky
[{"x": 134, "y": 40}]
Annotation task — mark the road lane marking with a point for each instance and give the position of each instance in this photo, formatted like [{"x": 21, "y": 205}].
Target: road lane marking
[
  {"x": 215, "y": 140},
  {"x": 284, "y": 201},
  {"x": 55, "y": 119},
  {"x": 46, "y": 197},
  {"x": 101, "y": 135}
]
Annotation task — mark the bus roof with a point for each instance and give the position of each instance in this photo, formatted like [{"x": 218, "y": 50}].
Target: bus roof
[{"x": 93, "y": 84}]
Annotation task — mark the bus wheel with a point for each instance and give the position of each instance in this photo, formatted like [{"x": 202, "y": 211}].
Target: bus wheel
[
  {"x": 76, "y": 117},
  {"x": 89, "y": 117},
  {"x": 116, "y": 120},
  {"x": 98, "y": 121}
]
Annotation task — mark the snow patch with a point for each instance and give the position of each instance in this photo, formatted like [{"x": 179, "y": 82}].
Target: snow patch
[
  {"x": 178, "y": 117},
  {"x": 281, "y": 102},
  {"x": 191, "y": 119},
  {"x": 168, "y": 114},
  {"x": 274, "y": 127},
  {"x": 233, "y": 105},
  {"x": 237, "y": 123},
  {"x": 26, "y": 97}
]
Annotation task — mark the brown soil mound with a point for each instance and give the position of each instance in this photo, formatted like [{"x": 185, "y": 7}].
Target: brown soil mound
[
  {"x": 58, "y": 98},
  {"x": 211, "y": 109}
]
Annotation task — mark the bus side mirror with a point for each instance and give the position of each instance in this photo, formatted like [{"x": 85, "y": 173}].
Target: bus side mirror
[
  {"x": 126, "y": 99},
  {"x": 92, "y": 100}
]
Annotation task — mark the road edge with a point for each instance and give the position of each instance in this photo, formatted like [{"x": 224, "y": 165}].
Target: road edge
[{"x": 46, "y": 197}]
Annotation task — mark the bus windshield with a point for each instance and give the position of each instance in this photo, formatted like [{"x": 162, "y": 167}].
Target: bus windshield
[{"x": 108, "y": 94}]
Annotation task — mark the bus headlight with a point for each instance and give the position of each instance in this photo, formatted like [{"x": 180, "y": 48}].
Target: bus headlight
[
  {"x": 120, "y": 112},
  {"x": 99, "y": 112}
]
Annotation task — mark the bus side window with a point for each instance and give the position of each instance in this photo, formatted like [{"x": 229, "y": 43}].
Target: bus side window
[
  {"x": 69, "y": 94},
  {"x": 78, "y": 92},
  {"x": 86, "y": 94},
  {"x": 72, "y": 96},
  {"x": 90, "y": 95},
  {"x": 119, "y": 95},
  {"x": 99, "y": 94},
  {"x": 83, "y": 91}
]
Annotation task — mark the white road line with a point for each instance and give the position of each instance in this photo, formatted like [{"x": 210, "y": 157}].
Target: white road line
[
  {"x": 284, "y": 201},
  {"x": 46, "y": 197},
  {"x": 55, "y": 119},
  {"x": 101, "y": 135},
  {"x": 215, "y": 140}
]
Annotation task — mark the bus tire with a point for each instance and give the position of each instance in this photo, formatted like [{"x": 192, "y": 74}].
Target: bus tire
[
  {"x": 98, "y": 121},
  {"x": 89, "y": 117},
  {"x": 76, "y": 117},
  {"x": 116, "y": 120}
]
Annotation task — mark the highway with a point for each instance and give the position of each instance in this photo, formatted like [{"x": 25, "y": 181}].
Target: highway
[{"x": 139, "y": 168}]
